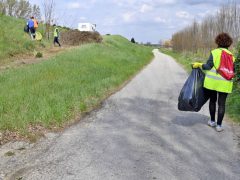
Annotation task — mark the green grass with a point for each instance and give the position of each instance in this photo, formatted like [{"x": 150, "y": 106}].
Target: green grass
[
  {"x": 14, "y": 41},
  {"x": 185, "y": 59},
  {"x": 233, "y": 104},
  {"x": 54, "y": 92}
]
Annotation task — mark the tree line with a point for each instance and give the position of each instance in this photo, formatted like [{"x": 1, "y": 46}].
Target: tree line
[
  {"x": 19, "y": 9},
  {"x": 199, "y": 37}
]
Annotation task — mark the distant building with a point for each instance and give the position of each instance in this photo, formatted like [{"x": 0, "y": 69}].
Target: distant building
[{"x": 87, "y": 27}]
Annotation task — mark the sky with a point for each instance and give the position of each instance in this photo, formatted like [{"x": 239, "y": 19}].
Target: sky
[{"x": 144, "y": 20}]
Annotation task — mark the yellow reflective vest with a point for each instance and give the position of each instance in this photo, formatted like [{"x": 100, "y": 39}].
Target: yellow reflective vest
[
  {"x": 56, "y": 31},
  {"x": 215, "y": 81}
]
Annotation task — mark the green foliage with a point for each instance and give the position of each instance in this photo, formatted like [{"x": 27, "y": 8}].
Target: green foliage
[
  {"x": 233, "y": 103},
  {"x": 39, "y": 55},
  {"x": 55, "y": 91},
  {"x": 237, "y": 63},
  {"x": 185, "y": 59}
]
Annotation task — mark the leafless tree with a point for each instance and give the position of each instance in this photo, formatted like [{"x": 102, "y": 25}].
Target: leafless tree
[
  {"x": 23, "y": 9},
  {"x": 200, "y": 37},
  {"x": 36, "y": 12},
  {"x": 2, "y": 7},
  {"x": 48, "y": 9},
  {"x": 19, "y": 8},
  {"x": 11, "y": 5}
]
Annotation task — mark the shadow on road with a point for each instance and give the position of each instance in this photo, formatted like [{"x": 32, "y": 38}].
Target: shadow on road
[{"x": 190, "y": 119}]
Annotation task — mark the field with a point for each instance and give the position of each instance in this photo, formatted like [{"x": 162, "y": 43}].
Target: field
[
  {"x": 14, "y": 41},
  {"x": 54, "y": 92}
]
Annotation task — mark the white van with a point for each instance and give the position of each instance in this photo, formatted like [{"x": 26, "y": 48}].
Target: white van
[{"x": 87, "y": 27}]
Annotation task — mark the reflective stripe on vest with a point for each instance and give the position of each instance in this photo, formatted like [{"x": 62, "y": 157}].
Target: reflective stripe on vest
[
  {"x": 217, "y": 77},
  {"x": 215, "y": 81}
]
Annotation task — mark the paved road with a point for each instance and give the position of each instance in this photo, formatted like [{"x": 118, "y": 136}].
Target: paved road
[{"x": 138, "y": 134}]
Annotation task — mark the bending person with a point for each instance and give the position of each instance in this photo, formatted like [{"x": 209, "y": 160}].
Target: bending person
[{"x": 31, "y": 28}]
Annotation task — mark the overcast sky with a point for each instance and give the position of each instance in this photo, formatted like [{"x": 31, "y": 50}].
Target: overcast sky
[{"x": 145, "y": 20}]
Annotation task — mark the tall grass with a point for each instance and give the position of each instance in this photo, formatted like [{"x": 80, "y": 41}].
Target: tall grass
[
  {"x": 55, "y": 91},
  {"x": 13, "y": 40},
  {"x": 233, "y": 104},
  {"x": 185, "y": 59}
]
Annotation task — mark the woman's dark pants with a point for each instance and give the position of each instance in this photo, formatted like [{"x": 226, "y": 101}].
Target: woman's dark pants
[
  {"x": 56, "y": 41},
  {"x": 215, "y": 96}
]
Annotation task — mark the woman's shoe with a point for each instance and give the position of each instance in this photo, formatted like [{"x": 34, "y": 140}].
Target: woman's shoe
[
  {"x": 211, "y": 123},
  {"x": 219, "y": 128}
]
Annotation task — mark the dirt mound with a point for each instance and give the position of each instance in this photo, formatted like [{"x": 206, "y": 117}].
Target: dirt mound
[{"x": 75, "y": 37}]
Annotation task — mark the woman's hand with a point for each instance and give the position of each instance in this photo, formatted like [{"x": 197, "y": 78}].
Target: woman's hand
[{"x": 197, "y": 65}]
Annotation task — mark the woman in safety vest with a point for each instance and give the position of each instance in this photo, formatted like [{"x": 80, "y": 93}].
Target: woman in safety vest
[
  {"x": 56, "y": 35},
  {"x": 216, "y": 86}
]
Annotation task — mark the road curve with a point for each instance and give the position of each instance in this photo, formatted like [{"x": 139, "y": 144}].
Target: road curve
[{"x": 138, "y": 134}]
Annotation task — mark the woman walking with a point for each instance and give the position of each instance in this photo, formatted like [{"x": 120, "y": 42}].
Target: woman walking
[
  {"x": 217, "y": 87},
  {"x": 56, "y": 35}
]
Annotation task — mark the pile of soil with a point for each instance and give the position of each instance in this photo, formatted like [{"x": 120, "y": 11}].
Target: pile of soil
[{"x": 75, "y": 37}]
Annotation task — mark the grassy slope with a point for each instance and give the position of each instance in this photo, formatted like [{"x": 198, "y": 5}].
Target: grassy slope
[
  {"x": 233, "y": 101},
  {"x": 55, "y": 91},
  {"x": 13, "y": 40}
]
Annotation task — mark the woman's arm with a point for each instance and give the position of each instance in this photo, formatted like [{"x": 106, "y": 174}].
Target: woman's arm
[{"x": 209, "y": 64}]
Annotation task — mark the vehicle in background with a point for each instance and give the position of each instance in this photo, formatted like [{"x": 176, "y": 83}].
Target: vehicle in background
[{"x": 87, "y": 27}]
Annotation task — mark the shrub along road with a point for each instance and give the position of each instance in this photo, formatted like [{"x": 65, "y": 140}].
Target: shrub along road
[{"x": 137, "y": 134}]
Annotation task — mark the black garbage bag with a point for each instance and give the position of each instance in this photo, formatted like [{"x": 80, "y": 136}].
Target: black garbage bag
[
  {"x": 192, "y": 96},
  {"x": 26, "y": 28}
]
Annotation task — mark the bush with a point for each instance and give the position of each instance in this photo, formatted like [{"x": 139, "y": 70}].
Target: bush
[
  {"x": 237, "y": 63},
  {"x": 39, "y": 55},
  {"x": 75, "y": 37},
  {"x": 133, "y": 40}
]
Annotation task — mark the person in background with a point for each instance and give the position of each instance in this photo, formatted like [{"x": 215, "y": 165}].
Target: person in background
[
  {"x": 35, "y": 24},
  {"x": 216, "y": 86},
  {"x": 30, "y": 24},
  {"x": 56, "y": 35}
]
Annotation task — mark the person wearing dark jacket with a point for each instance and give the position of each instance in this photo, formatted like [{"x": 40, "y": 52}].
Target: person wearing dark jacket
[
  {"x": 216, "y": 86},
  {"x": 30, "y": 24}
]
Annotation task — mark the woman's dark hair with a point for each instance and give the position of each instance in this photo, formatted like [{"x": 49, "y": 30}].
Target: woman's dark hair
[{"x": 223, "y": 40}]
